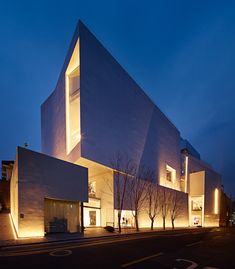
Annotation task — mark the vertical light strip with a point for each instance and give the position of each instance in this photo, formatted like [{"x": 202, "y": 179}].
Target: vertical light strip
[
  {"x": 203, "y": 210},
  {"x": 190, "y": 211},
  {"x": 67, "y": 113},
  {"x": 216, "y": 201},
  {"x": 13, "y": 227},
  {"x": 186, "y": 174}
]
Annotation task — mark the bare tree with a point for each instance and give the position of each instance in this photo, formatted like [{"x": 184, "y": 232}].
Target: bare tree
[
  {"x": 153, "y": 204},
  {"x": 175, "y": 206},
  {"x": 164, "y": 205},
  {"x": 137, "y": 192},
  {"x": 122, "y": 169}
]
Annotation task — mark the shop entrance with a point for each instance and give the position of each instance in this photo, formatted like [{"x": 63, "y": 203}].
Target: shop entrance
[
  {"x": 61, "y": 216},
  {"x": 92, "y": 213},
  {"x": 196, "y": 210}
]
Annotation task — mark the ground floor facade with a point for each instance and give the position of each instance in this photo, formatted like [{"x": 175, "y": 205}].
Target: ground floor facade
[{"x": 49, "y": 195}]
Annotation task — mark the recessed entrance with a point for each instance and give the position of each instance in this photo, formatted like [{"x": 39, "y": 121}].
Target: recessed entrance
[
  {"x": 92, "y": 213},
  {"x": 61, "y": 216}
]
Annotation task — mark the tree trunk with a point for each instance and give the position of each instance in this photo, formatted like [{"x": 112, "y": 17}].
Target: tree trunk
[
  {"x": 119, "y": 222},
  {"x": 152, "y": 221},
  {"x": 136, "y": 223},
  {"x": 173, "y": 224},
  {"x": 164, "y": 223}
]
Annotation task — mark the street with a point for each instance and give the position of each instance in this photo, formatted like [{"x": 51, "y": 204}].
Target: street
[{"x": 199, "y": 248}]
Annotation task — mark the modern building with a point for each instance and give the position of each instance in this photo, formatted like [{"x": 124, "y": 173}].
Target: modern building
[
  {"x": 96, "y": 113},
  {"x": 6, "y": 167},
  {"x": 203, "y": 186}
]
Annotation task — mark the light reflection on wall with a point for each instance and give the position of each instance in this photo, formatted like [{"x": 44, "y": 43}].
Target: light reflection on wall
[
  {"x": 32, "y": 231},
  {"x": 14, "y": 197},
  {"x": 186, "y": 174},
  {"x": 216, "y": 201},
  {"x": 174, "y": 183},
  {"x": 13, "y": 227}
]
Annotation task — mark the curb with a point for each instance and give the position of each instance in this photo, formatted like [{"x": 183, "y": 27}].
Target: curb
[{"x": 90, "y": 238}]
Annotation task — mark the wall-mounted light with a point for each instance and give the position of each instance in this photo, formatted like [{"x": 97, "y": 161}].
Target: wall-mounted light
[
  {"x": 186, "y": 174},
  {"x": 216, "y": 201}
]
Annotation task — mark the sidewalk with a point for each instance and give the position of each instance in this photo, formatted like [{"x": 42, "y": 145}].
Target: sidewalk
[
  {"x": 7, "y": 236},
  {"x": 6, "y": 233},
  {"x": 59, "y": 237}
]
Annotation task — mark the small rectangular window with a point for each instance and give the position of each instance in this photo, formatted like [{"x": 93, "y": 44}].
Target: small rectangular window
[{"x": 170, "y": 174}]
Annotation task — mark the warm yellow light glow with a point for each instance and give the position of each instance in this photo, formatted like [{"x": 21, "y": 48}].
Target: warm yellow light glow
[
  {"x": 168, "y": 177},
  {"x": 13, "y": 227},
  {"x": 31, "y": 232},
  {"x": 28, "y": 236},
  {"x": 196, "y": 208},
  {"x": 172, "y": 171},
  {"x": 203, "y": 210},
  {"x": 72, "y": 100},
  {"x": 186, "y": 174},
  {"x": 216, "y": 201}
]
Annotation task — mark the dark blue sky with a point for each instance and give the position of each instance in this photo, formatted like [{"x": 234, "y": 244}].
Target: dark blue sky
[{"x": 182, "y": 53}]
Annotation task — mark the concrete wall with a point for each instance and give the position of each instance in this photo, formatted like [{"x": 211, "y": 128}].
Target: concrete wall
[
  {"x": 144, "y": 220},
  {"x": 197, "y": 183},
  {"x": 182, "y": 210},
  {"x": 14, "y": 193},
  {"x": 104, "y": 191},
  {"x": 116, "y": 115},
  {"x": 53, "y": 122},
  {"x": 212, "y": 181},
  {"x": 39, "y": 177}
]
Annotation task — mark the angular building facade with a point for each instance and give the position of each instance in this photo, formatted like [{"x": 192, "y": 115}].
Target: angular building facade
[{"x": 98, "y": 112}]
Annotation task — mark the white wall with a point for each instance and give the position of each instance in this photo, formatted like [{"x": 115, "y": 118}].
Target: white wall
[
  {"x": 39, "y": 177},
  {"x": 116, "y": 115},
  {"x": 144, "y": 220},
  {"x": 53, "y": 124},
  {"x": 211, "y": 182},
  {"x": 14, "y": 200},
  {"x": 182, "y": 206},
  {"x": 197, "y": 183}
]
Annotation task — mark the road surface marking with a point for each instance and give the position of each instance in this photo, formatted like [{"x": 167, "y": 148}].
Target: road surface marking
[
  {"x": 61, "y": 253},
  {"x": 210, "y": 267},
  {"x": 191, "y": 266},
  {"x": 181, "y": 234},
  {"x": 218, "y": 236},
  {"x": 141, "y": 260},
  {"x": 193, "y": 244},
  {"x": 47, "y": 249}
]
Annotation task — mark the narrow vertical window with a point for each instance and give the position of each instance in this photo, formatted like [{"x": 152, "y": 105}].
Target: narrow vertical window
[{"x": 72, "y": 90}]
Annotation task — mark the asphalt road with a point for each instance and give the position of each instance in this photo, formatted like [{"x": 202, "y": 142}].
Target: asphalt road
[{"x": 200, "y": 248}]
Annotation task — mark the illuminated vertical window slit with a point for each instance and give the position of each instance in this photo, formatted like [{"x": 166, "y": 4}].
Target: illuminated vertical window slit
[
  {"x": 216, "y": 201},
  {"x": 72, "y": 96}
]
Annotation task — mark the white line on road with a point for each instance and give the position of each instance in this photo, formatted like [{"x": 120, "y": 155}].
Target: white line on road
[
  {"x": 218, "y": 237},
  {"x": 180, "y": 234},
  {"x": 61, "y": 253},
  {"x": 193, "y": 244},
  {"x": 142, "y": 259}
]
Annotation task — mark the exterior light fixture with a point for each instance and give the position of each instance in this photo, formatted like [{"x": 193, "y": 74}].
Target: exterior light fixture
[{"x": 216, "y": 201}]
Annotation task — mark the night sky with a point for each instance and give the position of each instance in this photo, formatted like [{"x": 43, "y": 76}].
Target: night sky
[{"x": 182, "y": 53}]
